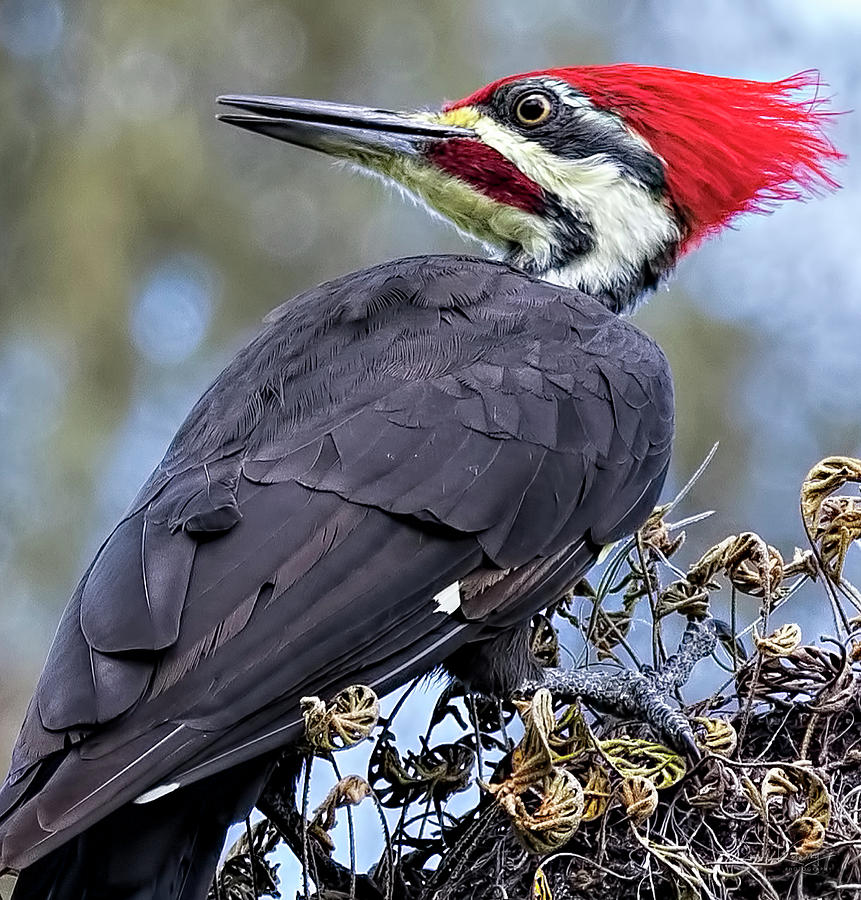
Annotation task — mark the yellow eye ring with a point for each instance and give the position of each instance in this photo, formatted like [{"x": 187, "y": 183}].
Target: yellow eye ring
[{"x": 533, "y": 109}]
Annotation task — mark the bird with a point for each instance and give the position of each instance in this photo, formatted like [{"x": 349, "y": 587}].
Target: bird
[{"x": 404, "y": 465}]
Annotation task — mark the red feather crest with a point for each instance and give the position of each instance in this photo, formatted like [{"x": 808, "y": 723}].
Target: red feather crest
[{"x": 730, "y": 146}]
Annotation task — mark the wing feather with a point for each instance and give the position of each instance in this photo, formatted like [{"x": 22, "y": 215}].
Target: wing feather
[{"x": 385, "y": 435}]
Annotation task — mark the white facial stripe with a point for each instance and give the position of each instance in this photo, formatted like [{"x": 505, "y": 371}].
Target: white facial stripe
[
  {"x": 571, "y": 97},
  {"x": 630, "y": 226}
]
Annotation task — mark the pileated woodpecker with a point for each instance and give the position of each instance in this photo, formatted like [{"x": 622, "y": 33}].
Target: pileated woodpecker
[{"x": 401, "y": 468}]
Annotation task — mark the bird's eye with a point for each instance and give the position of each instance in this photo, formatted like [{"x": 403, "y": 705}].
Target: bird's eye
[{"x": 533, "y": 109}]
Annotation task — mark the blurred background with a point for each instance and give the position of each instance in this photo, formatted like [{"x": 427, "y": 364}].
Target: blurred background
[{"x": 141, "y": 242}]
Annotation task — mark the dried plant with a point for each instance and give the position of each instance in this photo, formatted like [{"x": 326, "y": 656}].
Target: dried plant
[{"x": 582, "y": 804}]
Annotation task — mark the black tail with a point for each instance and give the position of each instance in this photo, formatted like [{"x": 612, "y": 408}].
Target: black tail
[{"x": 164, "y": 850}]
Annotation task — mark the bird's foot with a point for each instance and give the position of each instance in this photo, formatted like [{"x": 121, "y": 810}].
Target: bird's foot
[{"x": 643, "y": 695}]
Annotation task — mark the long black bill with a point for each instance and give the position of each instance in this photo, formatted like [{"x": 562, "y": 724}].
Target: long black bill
[{"x": 337, "y": 128}]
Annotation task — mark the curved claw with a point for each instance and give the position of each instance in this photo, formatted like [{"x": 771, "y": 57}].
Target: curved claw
[{"x": 691, "y": 747}]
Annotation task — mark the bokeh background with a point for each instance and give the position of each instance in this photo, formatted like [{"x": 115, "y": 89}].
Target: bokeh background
[{"x": 141, "y": 242}]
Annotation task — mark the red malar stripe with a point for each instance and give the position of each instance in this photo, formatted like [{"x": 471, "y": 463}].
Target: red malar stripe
[{"x": 488, "y": 171}]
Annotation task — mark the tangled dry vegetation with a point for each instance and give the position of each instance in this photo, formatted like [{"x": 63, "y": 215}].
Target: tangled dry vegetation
[{"x": 584, "y": 806}]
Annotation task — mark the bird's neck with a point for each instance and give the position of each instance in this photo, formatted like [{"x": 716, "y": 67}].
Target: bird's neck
[
  {"x": 595, "y": 228},
  {"x": 620, "y": 288},
  {"x": 614, "y": 243}
]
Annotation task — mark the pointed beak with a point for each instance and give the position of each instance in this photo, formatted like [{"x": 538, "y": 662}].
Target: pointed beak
[{"x": 352, "y": 132}]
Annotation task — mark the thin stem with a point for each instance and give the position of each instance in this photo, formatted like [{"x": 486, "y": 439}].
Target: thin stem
[
  {"x": 733, "y": 625},
  {"x": 249, "y": 836},
  {"x": 306, "y": 790},
  {"x": 473, "y": 712},
  {"x": 352, "y": 832}
]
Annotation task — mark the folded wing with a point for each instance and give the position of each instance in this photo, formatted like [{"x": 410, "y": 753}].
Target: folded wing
[{"x": 385, "y": 436}]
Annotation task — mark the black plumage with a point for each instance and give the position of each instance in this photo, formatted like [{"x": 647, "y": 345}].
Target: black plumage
[
  {"x": 433, "y": 429},
  {"x": 431, "y": 420}
]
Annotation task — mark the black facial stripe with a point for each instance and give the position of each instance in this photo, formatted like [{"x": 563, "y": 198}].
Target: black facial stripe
[
  {"x": 573, "y": 133},
  {"x": 575, "y": 235}
]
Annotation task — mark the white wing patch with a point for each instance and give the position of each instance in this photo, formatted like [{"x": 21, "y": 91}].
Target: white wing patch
[
  {"x": 448, "y": 599},
  {"x": 606, "y": 550},
  {"x": 157, "y": 792}
]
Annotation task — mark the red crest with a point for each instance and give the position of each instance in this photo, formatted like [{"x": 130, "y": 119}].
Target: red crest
[{"x": 729, "y": 145}]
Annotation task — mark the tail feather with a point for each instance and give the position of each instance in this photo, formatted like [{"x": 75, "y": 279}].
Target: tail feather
[{"x": 164, "y": 850}]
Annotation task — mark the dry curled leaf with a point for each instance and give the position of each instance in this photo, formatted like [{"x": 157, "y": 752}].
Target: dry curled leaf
[
  {"x": 777, "y": 783},
  {"x": 532, "y": 758},
  {"x": 838, "y": 527},
  {"x": 557, "y": 817},
  {"x": 544, "y": 642},
  {"x": 634, "y": 757},
  {"x": 806, "y": 671},
  {"x": 235, "y": 880},
  {"x": 751, "y": 565},
  {"x": 437, "y": 772},
  {"x": 596, "y": 794},
  {"x": 827, "y": 476},
  {"x": 703, "y": 571},
  {"x": 807, "y": 835},
  {"x": 655, "y": 535},
  {"x": 610, "y": 628},
  {"x": 639, "y": 797},
  {"x": 719, "y": 736},
  {"x": 541, "y": 886},
  {"x": 349, "y": 791},
  {"x": 751, "y": 571},
  {"x": 803, "y": 562},
  {"x": 708, "y": 794},
  {"x": 570, "y": 736},
  {"x": 349, "y": 718},
  {"x": 791, "y": 786},
  {"x": 802, "y": 783},
  {"x": 684, "y": 598},
  {"x": 560, "y": 809},
  {"x": 818, "y": 804},
  {"x": 781, "y": 642}
]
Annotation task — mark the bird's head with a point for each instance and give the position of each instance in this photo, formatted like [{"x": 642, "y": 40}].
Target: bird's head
[{"x": 597, "y": 177}]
